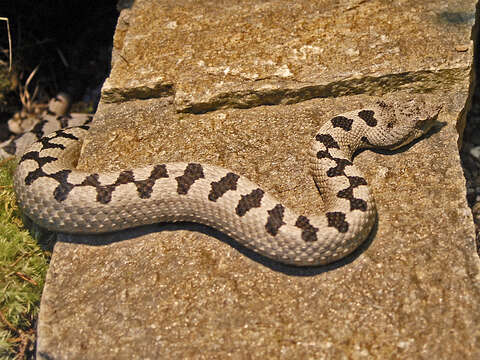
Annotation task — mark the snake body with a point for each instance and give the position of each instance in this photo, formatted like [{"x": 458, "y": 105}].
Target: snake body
[
  {"x": 56, "y": 117},
  {"x": 61, "y": 198}
]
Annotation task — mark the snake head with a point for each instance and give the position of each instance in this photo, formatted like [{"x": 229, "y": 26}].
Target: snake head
[{"x": 401, "y": 122}]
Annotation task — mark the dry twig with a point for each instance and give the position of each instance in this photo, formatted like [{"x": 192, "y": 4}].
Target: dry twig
[
  {"x": 9, "y": 42},
  {"x": 25, "y": 97}
]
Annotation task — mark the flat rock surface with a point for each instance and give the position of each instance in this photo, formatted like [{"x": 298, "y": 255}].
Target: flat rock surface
[
  {"x": 187, "y": 291},
  {"x": 267, "y": 52}
]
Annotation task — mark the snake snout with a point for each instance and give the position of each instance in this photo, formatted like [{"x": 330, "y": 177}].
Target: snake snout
[{"x": 428, "y": 119}]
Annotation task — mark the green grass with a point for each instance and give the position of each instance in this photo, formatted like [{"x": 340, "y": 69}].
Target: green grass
[{"x": 23, "y": 266}]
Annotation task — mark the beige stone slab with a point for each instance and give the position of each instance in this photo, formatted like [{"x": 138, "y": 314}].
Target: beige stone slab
[
  {"x": 187, "y": 291},
  {"x": 245, "y": 53},
  {"x": 182, "y": 291}
]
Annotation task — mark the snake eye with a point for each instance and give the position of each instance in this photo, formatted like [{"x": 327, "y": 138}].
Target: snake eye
[
  {"x": 390, "y": 125},
  {"x": 365, "y": 140}
]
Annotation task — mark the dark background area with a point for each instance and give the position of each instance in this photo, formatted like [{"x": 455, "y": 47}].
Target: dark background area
[{"x": 70, "y": 41}]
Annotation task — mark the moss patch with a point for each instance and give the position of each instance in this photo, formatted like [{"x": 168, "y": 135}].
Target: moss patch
[{"x": 23, "y": 266}]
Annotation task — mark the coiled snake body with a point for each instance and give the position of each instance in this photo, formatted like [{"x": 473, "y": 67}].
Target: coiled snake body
[{"x": 60, "y": 198}]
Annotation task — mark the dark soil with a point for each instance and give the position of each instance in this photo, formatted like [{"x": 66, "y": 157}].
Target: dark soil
[{"x": 70, "y": 41}]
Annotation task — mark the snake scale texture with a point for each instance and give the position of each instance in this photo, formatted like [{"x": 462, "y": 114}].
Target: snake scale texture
[{"x": 58, "y": 197}]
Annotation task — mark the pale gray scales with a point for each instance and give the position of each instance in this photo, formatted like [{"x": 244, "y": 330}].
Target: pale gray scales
[
  {"x": 58, "y": 197},
  {"x": 56, "y": 117}
]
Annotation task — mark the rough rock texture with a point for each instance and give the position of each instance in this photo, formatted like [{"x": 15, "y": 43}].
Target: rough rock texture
[
  {"x": 274, "y": 52},
  {"x": 187, "y": 291}
]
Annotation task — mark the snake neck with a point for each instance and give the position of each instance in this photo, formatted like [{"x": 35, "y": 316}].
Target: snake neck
[{"x": 337, "y": 178}]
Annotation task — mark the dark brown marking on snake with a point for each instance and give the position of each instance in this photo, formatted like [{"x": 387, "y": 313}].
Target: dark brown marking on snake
[
  {"x": 192, "y": 173},
  {"x": 322, "y": 154},
  {"x": 91, "y": 180},
  {"x": 63, "y": 120},
  {"x": 356, "y": 181},
  {"x": 105, "y": 191},
  {"x": 39, "y": 133},
  {"x": 365, "y": 140},
  {"x": 226, "y": 183},
  {"x": 11, "y": 147},
  {"x": 342, "y": 122},
  {"x": 40, "y": 160},
  {"x": 104, "y": 194},
  {"x": 358, "y": 204},
  {"x": 355, "y": 204},
  {"x": 159, "y": 171},
  {"x": 382, "y": 104},
  {"x": 341, "y": 164},
  {"x": 327, "y": 140},
  {"x": 339, "y": 169},
  {"x": 61, "y": 134},
  {"x": 125, "y": 177},
  {"x": 368, "y": 116},
  {"x": 85, "y": 126},
  {"x": 38, "y": 173},
  {"x": 47, "y": 144},
  {"x": 37, "y": 130},
  {"x": 249, "y": 201},
  {"x": 309, "y": 232},
  {"x": 64, "y": 187},
  {"x": 145, "y": 187},
  {"x": 35, "y": 174},
  {"x": 337, "y": 220},
  {"x": 275, "y": 219}
]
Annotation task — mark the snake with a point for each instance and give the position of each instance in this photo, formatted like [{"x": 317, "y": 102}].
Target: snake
[
  {"x": 56, "y": 195},
  {"x": 57, "y": 116}
]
